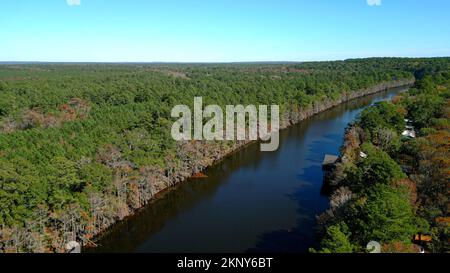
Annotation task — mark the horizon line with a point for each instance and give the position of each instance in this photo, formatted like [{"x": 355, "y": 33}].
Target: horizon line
[{"x": 215, "y": 62}]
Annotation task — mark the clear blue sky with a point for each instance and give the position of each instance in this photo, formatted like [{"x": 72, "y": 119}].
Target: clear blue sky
[{"x": 221, "y": 30}]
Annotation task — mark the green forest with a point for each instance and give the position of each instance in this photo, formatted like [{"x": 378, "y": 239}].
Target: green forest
[
  {"x": 84, "y": 145},
  {"x": 390, "y": 186}
]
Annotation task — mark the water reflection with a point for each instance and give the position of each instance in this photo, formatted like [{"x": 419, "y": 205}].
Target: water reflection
[{"x": 251, "y": 202}]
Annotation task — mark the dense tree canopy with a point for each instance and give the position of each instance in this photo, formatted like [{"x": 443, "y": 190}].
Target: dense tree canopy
[
  {"x": 391, "y": 187},
  {"x": 82, "y": 145}
]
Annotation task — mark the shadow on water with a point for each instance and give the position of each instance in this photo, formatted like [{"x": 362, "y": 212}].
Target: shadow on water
[
  {"x": 250, "y": 202},
  {"x": 302, "y": 236}
]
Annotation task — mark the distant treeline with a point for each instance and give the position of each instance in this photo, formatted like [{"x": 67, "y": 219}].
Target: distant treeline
[
  {"x": 83, "y": 145},
  {"x": 391, "y": 184}
]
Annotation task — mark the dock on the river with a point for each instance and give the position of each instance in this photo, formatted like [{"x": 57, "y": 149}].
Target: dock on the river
[{"x": 329, "y": 161}]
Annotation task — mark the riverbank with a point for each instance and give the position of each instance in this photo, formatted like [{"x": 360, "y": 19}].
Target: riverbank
[
  {"x": 381, "y": 186},
  {"x": 205, "y": 154}
]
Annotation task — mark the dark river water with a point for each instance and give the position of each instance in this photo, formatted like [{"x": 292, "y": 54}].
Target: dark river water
[{"x": 252, "y": 201}]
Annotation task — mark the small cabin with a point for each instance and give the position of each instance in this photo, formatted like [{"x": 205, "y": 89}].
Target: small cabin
[
  {"x": 422, "y": 238},
  {"x": 409, "y": 133}
]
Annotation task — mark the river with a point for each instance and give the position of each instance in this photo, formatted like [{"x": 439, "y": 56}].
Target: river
[{"x": 252, "y": 201}]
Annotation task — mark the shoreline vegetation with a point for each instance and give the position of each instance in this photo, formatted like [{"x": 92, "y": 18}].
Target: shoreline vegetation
[
  {"x": 84, "y": 146},
  {"x": 390, "y": 183},
  {"x": 241, "y": 144}
]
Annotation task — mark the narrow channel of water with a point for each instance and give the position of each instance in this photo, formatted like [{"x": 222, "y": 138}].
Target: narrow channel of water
[{"x": 252, "y": 201}]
